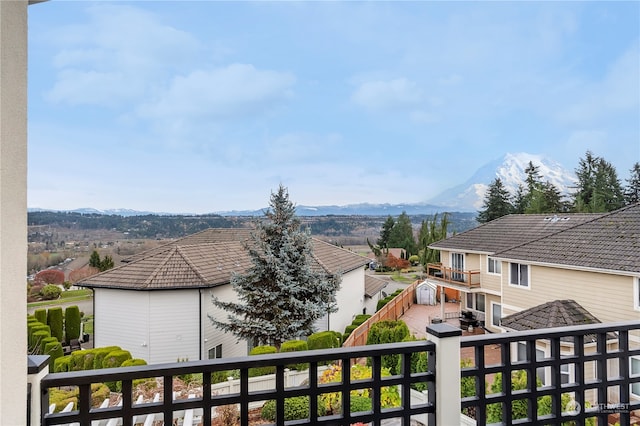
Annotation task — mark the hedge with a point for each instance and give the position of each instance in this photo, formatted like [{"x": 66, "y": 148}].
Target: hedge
[
  {"x": 101, "y": 353},
  {"x": 77, "y": 362},
  {"x": 44, "y": 342},
  {"x": 34, "y": 328},
  {"x": 294, "y": 346},
  {"x": 41, "y": 315},
  {"x": 61, "y": 365},
  {"x": 261, "y": 371},
  {"x": 115, "y": 358},
  {"x": 55, "y": 321},
  {"x": 72, "y": 323},
  {"x": 149, "y": 382},
  {"x": 388, "y": 332},
  {"x": 54, "y": 350},
  {"x": 295, "y": 408},
  {"x": 324, "y": 340},
  {"x": 37, "y": 338}
]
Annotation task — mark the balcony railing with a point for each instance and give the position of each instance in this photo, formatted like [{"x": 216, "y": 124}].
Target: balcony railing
[
  {"x": 602, "y": 382},
  {"x": 469, "y": 279}
]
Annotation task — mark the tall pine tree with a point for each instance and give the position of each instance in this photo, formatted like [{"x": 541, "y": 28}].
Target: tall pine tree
[
  {"x": 496, "y": 202},
  {"x": 632, "y": 190},
  {"x": 280, "y": 295}
]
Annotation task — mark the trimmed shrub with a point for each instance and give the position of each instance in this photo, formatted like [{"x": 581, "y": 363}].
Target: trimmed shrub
[
  {"x": 261, "y": 371},
  {"x": 54, "y": 350},
  {"x": 324, "y": 340},
  {"x": 388, "y": 332},
  {"x": 360, "y": 403},
  {"x": 40, "y": 315},
  {"x": 44, "y": 342},
  {"x": 295, "y": 346},
  {"x": 419, "y": 364},
  {"x": 62, "y": 396},
  {"x": 77, "y": 362},
  {"x": 61, "y": 365},
  {"x": 37, "y": 338},
  {"x": 295, "y": 408},
  {"x": 101, "y": 353},
  {"x": 50, "y": 292},
  {"x": 115, "y": 358},
  {"x": 32, "y": 329},
  {"x": 55, "y": 321},
  {"x": 72, "y": 323}
]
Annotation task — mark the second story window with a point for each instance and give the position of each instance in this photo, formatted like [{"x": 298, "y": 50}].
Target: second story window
[
  {"x": 519, "y": 274},
  {"x": 494, "y": 266}
]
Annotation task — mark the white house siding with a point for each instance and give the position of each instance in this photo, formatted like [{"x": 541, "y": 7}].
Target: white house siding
[
  {"x": 598, "y": 293},
  {"x": 121, "y": 318},
  {"x": 174, "y": 325},
  {"x": 213, "y": 336},
  {"x": 350, "y": 299}
]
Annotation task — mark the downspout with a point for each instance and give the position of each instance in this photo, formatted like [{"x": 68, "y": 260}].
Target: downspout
[{"x": 201, "y": 321}]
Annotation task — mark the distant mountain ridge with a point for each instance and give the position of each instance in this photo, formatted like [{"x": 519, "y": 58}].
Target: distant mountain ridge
[
  {"x": 469, "y": 196},
  {"x": 466, "y": 197}
]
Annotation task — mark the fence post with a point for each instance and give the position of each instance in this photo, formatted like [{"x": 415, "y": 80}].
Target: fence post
[
  {"x": 37, "y": 368},
  {"x": 447, "y": 340}
]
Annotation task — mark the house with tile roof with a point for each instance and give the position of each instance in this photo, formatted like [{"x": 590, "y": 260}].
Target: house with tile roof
[
  {"x": 156, "y": 305},
  {"x": 511, "y": 270}
]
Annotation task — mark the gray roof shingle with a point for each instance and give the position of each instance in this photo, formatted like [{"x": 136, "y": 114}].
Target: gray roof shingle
[
  {"x": 557, "y": 313},
  {"x": 608, "y": 242},
  {"x": 511, "y": 230},
  {"x": 207, "y": 259}
]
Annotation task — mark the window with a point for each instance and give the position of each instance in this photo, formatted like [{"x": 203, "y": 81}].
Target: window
[
  {"x": 457, "y": 264},
  {"x": 469, "y": 300},
  {"x": 635, "y": 371},
  {"x": 636, "y": 294},
  {"x": 540, "y": 371},
  {"x": 479, "y": 302},
  {"x": 565, "y": 374},
  {"x": 215, "y": 352},
  {"x": 519, "y": 274},
  {"x": 496, "y": 314},
  {"x": 495, "y": 266}
]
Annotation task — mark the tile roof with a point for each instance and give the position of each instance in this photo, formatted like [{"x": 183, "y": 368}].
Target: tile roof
[
  {"x": 609, "y": 242},
  {"x": 207, "y": 259},
  {"x": 372, "y": 285},
  {"x": 511, "y": 230},
  {"x": 558, "y": 313}
]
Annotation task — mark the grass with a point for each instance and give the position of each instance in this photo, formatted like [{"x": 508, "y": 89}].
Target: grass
[{"x": 66, "y": 296}]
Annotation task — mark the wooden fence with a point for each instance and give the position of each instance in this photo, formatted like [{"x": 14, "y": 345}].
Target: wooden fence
[{"x": 391, "y": 311}]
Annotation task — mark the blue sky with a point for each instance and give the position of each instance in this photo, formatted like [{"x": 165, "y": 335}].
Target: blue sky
[{"x": 208, "y": 106}]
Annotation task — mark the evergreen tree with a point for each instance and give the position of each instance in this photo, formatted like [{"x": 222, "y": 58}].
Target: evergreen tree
[
  {"x": 545, "y": 198},
  {"x": 106, "y": 263},
  {"x": 520, "y": 200},
  {"x": 430, "y": 232},
  {"x": 496, "y": 203},
  {"x": 280, "y": 295},
  {"x": 632, "y": 190},
  {"x": 94, "y": 260},
  {"x": 401, "y": 235},
  {"x": 599, "y": 190},
  {"x": 385, "y": 232}
]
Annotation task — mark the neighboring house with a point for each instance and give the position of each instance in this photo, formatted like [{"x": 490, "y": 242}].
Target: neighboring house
[
  {"x": 373, "y": 287},
  {"x": 157, "y": 304},
  {"x": 519, "y": 262}
]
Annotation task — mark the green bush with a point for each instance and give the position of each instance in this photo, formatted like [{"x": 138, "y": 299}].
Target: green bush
[
  {"x": 115, "y": 358},
  {"x": 38, "y": 337},
  {"x": 34, "y": 328},
  {"x": 360, "y": 403},
  {"x": 72, "y": 323},
  {"x": 54, "y": 350},
  {"x": 61, "y": 365},
  {"x": 388, "y": 332},
  {"x": 101, "y": 353},
  {"x": 295, "y": 346},
  {"x": 50, "y": 292},
  {"x": 44, "y": 342},
  {"x": 148, "y": 382},
  {"x": 419, "y": 364},
  {"x": 261, "y": 371},
  {"x": 78, "y": 360},
  {"x": 295, "y": 408},
  {"x": 55, "y": 321},
  {"x": 324, "y": 340},
  {"x": 41, "y": 315}
]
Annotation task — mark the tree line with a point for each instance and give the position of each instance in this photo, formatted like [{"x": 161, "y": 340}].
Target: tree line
[{"x": 598, "y": 190}]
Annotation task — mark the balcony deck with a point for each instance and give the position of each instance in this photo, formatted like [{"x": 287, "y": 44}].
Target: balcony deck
[{"x": 449, "y": 277}]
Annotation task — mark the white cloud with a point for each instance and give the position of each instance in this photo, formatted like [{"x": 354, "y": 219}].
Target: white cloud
[
  {"x": 390, "y": 94},
  {"x": 234, "y": 90},
  {"x": 303, "y": 147}
]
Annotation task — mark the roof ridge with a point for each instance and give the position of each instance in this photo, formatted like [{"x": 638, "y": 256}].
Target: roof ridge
[
  {"x": 156, "y": 271},
  {"x": 190, "y": 263}
]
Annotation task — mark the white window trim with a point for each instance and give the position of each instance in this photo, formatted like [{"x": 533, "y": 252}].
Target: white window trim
[
  {"x": 631, "y": 359},
  {"x": 636, "y": 294},
  {"x": 526, "y": 287},
  {"x": 498, "y": 262}
]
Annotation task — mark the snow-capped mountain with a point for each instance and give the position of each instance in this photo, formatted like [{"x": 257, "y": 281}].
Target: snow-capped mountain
[{"x": 470, "y": 195}]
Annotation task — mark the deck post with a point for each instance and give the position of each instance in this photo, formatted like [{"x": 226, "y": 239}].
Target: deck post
[
  {"x": 37, "y": 368},
  {"x": 447, "y": 340}
]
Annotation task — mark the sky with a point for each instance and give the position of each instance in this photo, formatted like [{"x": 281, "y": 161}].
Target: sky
[{"x": 208, "y": 106}]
